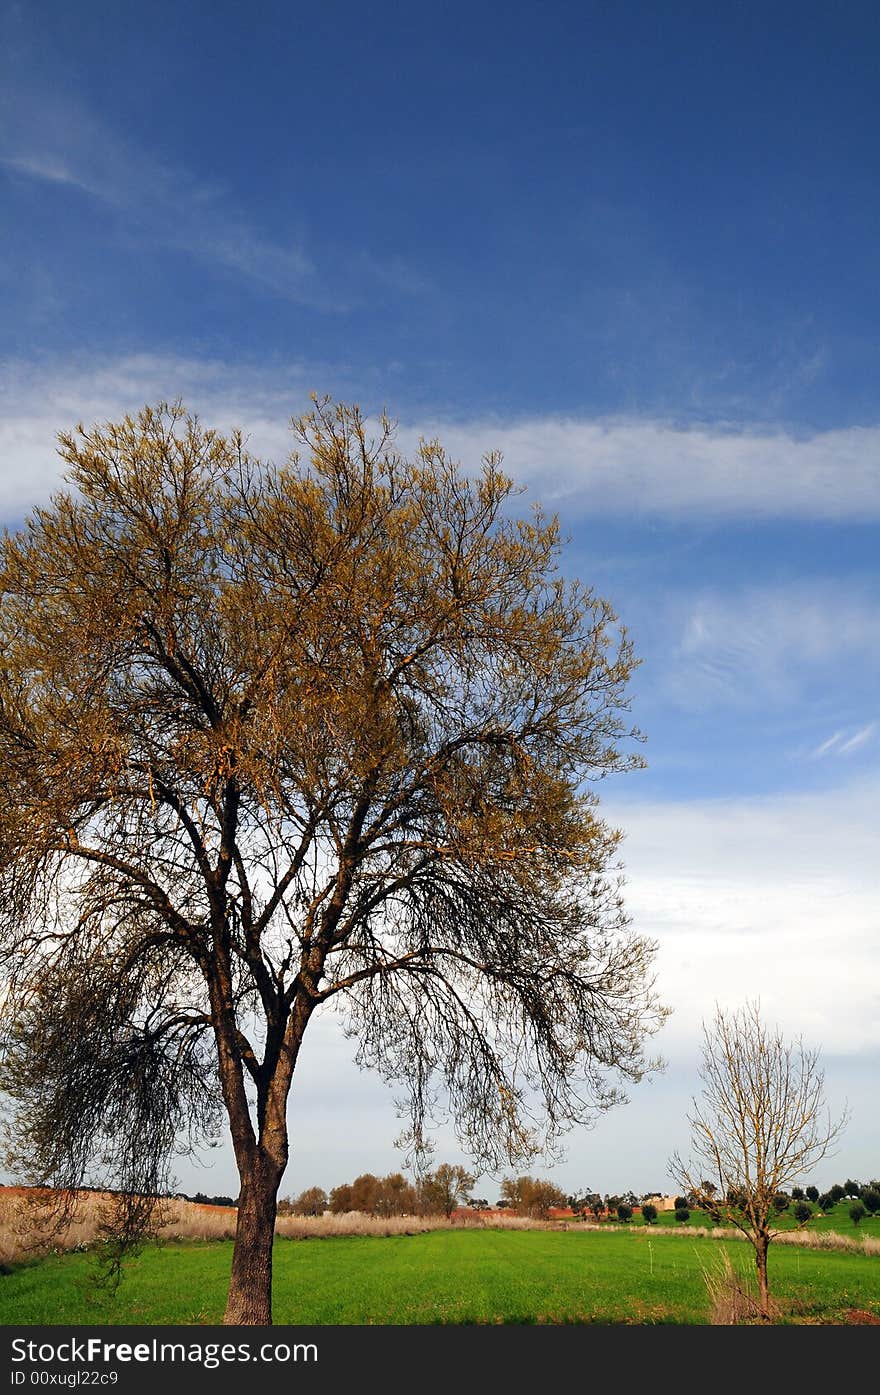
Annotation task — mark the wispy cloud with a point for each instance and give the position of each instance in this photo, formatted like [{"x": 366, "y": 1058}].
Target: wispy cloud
[
  {"x": 854, "y": 743},
  {"x": 827, "y": 746},
  {"x": 756, "y": 645},
  {"x": 54, "y": 139}
]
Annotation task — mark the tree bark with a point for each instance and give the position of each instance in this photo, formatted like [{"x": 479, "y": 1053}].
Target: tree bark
[
  {"x": 249, "y": 1302},
  {"x": 761, "y": 1248}
]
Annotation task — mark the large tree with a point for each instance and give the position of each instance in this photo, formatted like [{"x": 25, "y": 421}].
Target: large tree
[
  {"x": 279, "y": 739},
  {"x": 760, "y": 1123}
]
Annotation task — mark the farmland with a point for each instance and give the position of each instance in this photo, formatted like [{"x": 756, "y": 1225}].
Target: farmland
[{"x": 451, "y": 1275}]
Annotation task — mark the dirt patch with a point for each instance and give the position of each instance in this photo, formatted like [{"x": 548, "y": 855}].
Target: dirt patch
[{"x": 860, "y": 1317}]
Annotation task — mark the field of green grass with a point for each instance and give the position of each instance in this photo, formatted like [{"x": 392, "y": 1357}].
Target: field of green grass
[
  {"x": 453, "y": 1276},
  {"x": 837, "y": 1220}
]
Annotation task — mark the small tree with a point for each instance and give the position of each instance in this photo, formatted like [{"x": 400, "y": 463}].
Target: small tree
[
  {"x": 797, "y": 1194},
  {"x": 836, "y": 1193},
  {"x": 364, "y": 1194},
  {"x": 813, "y": 1194},
  {"x": 826, "y": 1203},
  {"x": 624, "y": 1212},
  {"x": 682, "y": 1214},
  {"x": 311, "y": 1202},
  {"x": 761, "y": 1121},
  {"x": 852, "y": 1188},
  {"x": 532, "y": 1196},
  {"x": 443, "y": 1189},
  {"x": 649, "y": 1213},
  {"x": 857, "y": 1212},
  {"x": 802, "y": 1211},
  {"x": 597, "y": 1206},
  {"x": 395, "y": 1196},
  {"x": 871, "y": 1200},
  {"x": 580, "y": 1201}
]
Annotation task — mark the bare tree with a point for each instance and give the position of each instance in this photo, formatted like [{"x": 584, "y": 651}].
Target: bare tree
[
  {"x": 276, "y": 740},
  {"x": 759, "y": 1125}
]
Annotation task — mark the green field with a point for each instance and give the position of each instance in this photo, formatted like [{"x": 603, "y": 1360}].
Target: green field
[
  {"x": 446, "y": 1277},
  {"x": 837, "y": 1220}
]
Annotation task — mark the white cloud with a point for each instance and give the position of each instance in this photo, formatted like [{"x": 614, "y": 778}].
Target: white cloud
[
  {"x": 777, "y": 898},
  {"x": 643, "y": 467},
  {"x": 38, "y": 401},
  {"x": 598, "y": 467}
]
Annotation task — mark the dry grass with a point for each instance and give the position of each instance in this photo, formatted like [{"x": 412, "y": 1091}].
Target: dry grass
[
  {"x": 731, "y": 1300},
  {"x": 29, "y": 1225},
  {"x": 356, "y": 1223}
]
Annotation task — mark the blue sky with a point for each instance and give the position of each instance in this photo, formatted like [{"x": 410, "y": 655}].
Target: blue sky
[{"x": 633, "y": 246}]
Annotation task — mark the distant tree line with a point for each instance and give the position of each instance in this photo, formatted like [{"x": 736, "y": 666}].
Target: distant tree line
[{"x": 435, "y": 1193}]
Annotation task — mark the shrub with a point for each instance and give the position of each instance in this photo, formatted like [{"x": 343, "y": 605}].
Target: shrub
[
  {"x": 649, "y": 1213},
  {"x": 682, "y": 1214},
  {"x": 681, "y": 1203},
  {"x": 311, "y": 1202},
  {"x": 780, "y": 1203},
  {"x": 624, "y": 1212},
  {"x": 856, "y": 1212},
  {"x": 802, "y": 1211}
]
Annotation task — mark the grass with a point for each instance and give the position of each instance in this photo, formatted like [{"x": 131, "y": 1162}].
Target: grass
[
  {"x": 837, "y": 1220},
  {"x": 447, "y": 1276}
]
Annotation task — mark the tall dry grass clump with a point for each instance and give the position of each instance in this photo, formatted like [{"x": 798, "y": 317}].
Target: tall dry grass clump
[
  {"x": 731, "y": 1300},
  {"x": 356, "y": 1223},
  {"x": 32, "y": 1222}
]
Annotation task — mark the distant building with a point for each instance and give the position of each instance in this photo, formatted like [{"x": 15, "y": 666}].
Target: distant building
[{"x": 663, "y": 1203}]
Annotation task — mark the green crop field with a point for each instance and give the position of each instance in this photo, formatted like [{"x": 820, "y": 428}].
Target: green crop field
[
  {"x": 837, "y": 1219},
  {"x": 447, "y": 1277}
]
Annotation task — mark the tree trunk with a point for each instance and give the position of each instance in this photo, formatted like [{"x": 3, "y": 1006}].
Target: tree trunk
[
  {"x": 761, "y": 1248},
  {"x": 250, "y": 1286}
]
